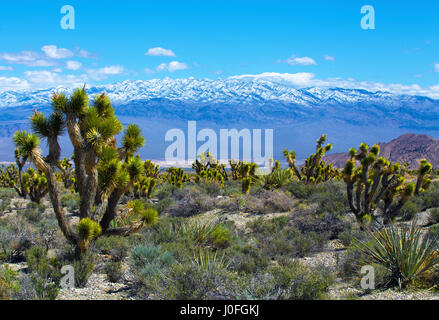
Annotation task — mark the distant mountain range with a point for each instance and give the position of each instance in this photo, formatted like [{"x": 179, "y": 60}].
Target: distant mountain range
[
  {"x": 237, "y": 100},
  {"x": 298, "y": 116},
  {"x": 408, "y": 148}
]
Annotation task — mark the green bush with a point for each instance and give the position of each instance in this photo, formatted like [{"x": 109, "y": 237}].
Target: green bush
[
  {"x": 83, "y": 269},
  {"x": 149, "y": 260},
  {"x": 434, "y": 216},
  {"x": 113, "y": 270},
  {"x": 9, "y": 283},
  {"x": 45, "y": 273},
  {"x": 409, "y": 210},
  {"x": 221, "y": 237},
  {"x": 290, "y": 282},
  {"x": 71, "y": 201},
  {"x": 116, "y": 246}
]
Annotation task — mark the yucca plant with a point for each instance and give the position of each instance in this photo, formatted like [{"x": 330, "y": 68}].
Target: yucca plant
[
  {"x": 404, "y": 251},
  {"x": 209, "y": 260}
]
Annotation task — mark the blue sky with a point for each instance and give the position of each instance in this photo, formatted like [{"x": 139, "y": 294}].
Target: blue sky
[{"x": 307, "y": 42}]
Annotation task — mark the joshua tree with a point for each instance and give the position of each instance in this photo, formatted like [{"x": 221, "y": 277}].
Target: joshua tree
[
  {"x": 376, "y": 180},
  {"x": 176, "y": 176},
  {"x": 103, "y": 172},
  {"x": 67, "y": 174},
  {"x": 314, "y": 170}
]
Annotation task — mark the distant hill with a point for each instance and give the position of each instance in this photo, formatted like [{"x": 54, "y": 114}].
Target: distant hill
[{"x": 408, "y": 148}]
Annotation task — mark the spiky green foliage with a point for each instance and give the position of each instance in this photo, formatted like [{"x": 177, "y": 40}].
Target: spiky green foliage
[
  {"x": 315, "y": 170},
  {"x": 103, "y": 173},
  {"x": 152, "y": 170},
  {"x": 209, "y": 170},
  {"x": 246, "y": 172},
  {"x": 67, "y": 174},
  {"x": 376, "y": 180},
  {"x": 278, "y": 177},
  {"x": 34, "y": 185},
  {"x": 88, "y": 230},
  {"x": 8, "y": 176},
  {"x": 403, "y": 251},
  {"x": 176, "y": 176},
  {"x": 144, "y": 185}
]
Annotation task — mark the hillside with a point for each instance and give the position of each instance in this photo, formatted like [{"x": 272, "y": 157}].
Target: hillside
[{"x": 408, "y": 148}]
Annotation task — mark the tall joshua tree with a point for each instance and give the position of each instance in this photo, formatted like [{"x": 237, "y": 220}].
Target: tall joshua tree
[
  {"x": 103, "y": 172},
  {"x": 376, "y": 180}
]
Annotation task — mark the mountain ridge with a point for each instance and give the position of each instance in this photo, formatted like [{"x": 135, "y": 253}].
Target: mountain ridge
[{"x": 408, "y": 148}]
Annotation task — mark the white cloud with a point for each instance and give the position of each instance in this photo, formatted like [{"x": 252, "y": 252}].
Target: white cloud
[
  {"x": 27, "y": 58},
  {"x": 45, "y": 79},
  {"x": 299, "y": 61},
  {"x": 82, "y": 53},
  {"x": 105, "y": 72},
  {"x": 53, "y": 52},
  {"x": 160, "y": 52},
  {"x": 306, "y": 79},
  {"x": 327, "y": 57},
  {"x": 171, "y": 67},
  {"x": 73, "y": 65},
  {"x": 4, "y": 68},
  {"x": 436, "y": 67},
  {"x": 13, "y": 83}
]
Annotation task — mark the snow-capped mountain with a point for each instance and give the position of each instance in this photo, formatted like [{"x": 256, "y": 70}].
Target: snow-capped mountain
[
  {"x": 227, "y": 91},
  {"x": 297, "y": 115},
  {"x": 238, "y": 100}
]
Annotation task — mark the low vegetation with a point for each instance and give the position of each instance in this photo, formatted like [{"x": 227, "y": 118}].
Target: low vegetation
[{"x": 214, "y": 232}]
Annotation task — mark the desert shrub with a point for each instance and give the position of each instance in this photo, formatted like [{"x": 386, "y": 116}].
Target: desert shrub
[
  {"x": 164, "y": 190},
  {"x": 330, "y": 197},
  {"x": 9, "y": 283},
  {"x": 290, "y": 282},
  {"x": 116, "y": 246},
  {"x": 221, "y": 237},
  {"x": 44, "y": 273},
  {"x": 71, "y": 201},
  {"x": 409, "y": 210},
  {"x": 190, "y": 200},
  {"x": 33, "y": 215},
  {"x": 113, "y": 270},
  {"x": 247, "y": 258},
  {"x": 327, "y": 223},
  {"x": 84, "y": 267},
  {"x": 276, "y": 237},
  {"x": 434, "y": 216},
  {"x": 149, "y": 260},
  {"x": 266, "y": 201},
  {"x": 232, "y": 188},
  {"x": 26, "y": 288},
  {"x": 15, "y": 238},
  {"x": 163, "y": 205},
  {"x": 349, "y": 234},
  {"x": 191, "y": 281},
  {"x": 300, "y": 190},
  {"x": 403, "y": 251},
  {"x": 429, "y": 198}
]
